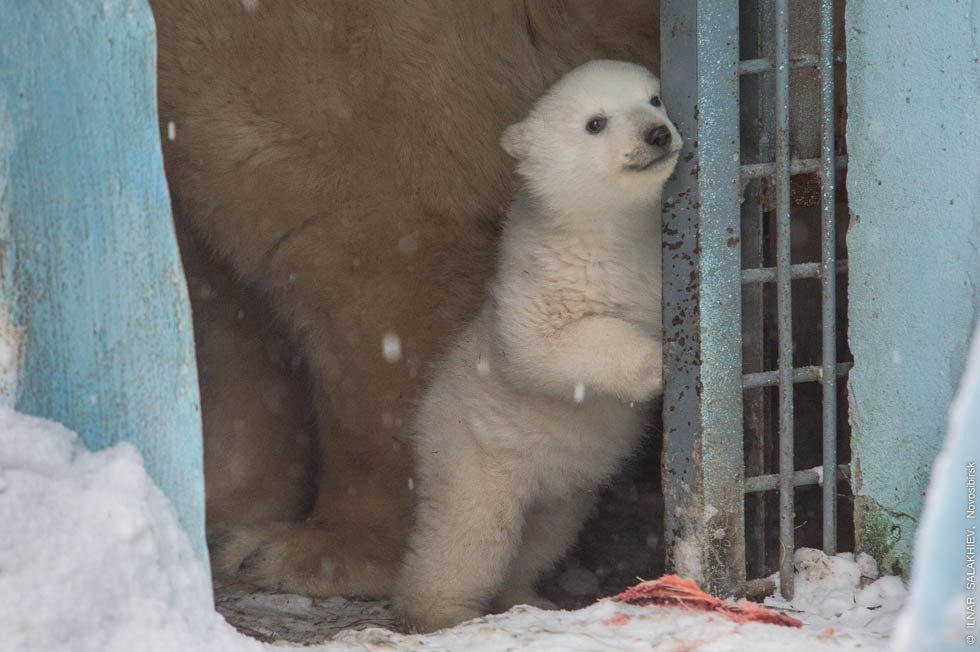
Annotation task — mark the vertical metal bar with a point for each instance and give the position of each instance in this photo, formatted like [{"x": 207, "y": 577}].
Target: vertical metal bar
[
  {"x": 784, "y": 300},
  {"x": 828, "y": 278},
  {"x": 703, "y": 464},
  {"x": 754, "y": 400},
  {"x": 756, "y": 147}
]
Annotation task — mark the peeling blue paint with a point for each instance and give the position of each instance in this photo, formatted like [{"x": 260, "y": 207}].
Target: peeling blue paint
[
  {"x": 913, "y": 87},
  {"x": 93, "y": 292}
]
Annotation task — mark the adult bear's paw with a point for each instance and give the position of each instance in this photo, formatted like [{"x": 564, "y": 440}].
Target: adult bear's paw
[{"x": 305, "y": 558}]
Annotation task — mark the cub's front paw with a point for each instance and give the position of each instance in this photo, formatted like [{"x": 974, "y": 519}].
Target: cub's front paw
[{"x": 645, "y": 377}]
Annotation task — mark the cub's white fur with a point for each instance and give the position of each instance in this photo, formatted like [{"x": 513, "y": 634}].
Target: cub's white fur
[{"x": 542, "y": 396}]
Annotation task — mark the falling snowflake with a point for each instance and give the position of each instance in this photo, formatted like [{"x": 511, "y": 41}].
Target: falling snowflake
[
  {"x": 579, "y": 394},
  {"x": 391, "y": 347}
]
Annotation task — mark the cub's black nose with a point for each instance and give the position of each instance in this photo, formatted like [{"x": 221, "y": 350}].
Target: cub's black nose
[{"x": 657, "y": 136}]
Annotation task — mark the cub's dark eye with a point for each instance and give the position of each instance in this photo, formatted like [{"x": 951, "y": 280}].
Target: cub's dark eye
[
  {"x": 595, "y": 124},
  {"x": 655, "y": 100}
]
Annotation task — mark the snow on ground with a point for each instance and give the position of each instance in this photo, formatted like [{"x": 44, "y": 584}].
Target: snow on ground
[
  {"x": 843, "y": 592},
  {"x": 91, "y": 556},
  {"x": 299, "y": 619},
  {"x": 92, "y": 559}
]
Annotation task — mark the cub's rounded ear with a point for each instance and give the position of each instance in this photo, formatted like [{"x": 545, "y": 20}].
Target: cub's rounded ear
[{"x": 514, "y": 140}]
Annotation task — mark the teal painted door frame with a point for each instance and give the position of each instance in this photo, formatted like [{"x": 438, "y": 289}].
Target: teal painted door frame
[{"x": 95, "y": 324}]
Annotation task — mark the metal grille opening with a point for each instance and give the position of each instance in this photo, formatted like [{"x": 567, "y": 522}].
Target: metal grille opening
[{"x": 755, "y": 428}]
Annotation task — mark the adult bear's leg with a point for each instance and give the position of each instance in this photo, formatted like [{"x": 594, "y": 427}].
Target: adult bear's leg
[
  {"x": 368, "y": 325},
  {"x": 259, "y": 431}
]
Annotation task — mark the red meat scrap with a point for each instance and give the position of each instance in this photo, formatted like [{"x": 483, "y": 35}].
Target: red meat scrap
[{"x": 674, "y": 591}]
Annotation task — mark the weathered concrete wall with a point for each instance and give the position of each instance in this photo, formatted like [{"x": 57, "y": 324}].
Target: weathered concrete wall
[
  {"x": 95, "y": 327},
  {"x": 913, "y": 137}
]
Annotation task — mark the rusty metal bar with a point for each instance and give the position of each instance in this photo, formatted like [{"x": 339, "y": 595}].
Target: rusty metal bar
[
  {"x": 784, "y": 298},
  {"x": 755, "y": 66},
  {"x": 797, "y": 166},
  {"x": 799, "y": 270},
  {"x": 828, "y": 279},
  {"x": 808, "y": 374},
  {"x": 703, "y": 463},
  {"x": 764, "y": 64},
  {"x": 806, "y": 478},
  {"x": 759, "y": 588},
  {"x": 755, "y": 143}
]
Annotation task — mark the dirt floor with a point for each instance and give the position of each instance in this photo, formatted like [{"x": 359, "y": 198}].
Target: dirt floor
[{"x": 622, "y": 542}]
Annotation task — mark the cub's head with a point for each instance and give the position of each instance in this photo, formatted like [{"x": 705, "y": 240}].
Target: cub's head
[{"x": 598, "y": 140}]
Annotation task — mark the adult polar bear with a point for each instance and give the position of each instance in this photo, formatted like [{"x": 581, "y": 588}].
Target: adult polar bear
[{"x": 343, "y": 158}]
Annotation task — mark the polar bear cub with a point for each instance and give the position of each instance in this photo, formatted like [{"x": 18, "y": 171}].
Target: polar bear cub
[{"x": 542, "y": 396}]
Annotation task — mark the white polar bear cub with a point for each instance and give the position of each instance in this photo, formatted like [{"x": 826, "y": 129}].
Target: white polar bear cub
[{"x": 542, "y": 396}]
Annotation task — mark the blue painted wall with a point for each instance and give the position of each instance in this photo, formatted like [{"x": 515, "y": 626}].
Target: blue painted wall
[
  {"x": 913, "y": 138},
  {"x": 94, "y": 315}
]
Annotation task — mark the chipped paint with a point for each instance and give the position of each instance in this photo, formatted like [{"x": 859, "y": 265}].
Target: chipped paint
[
  {"x": 96, "y": 330},
  {"x": 913, "y": 86},
  {"x": 702, "y": 339}
]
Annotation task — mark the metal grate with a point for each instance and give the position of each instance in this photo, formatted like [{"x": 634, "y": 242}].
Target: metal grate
[{"x": 730, "y": 184}]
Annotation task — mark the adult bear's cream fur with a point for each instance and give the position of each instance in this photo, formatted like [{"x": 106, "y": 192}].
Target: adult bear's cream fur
[{"x": 342, "y": 156}]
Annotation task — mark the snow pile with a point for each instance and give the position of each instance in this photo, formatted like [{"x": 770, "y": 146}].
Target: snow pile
[
  {"x": 92, "y": 559},
  {"x": 91, "y": 556},
  {"x": 843, "y": 591}
]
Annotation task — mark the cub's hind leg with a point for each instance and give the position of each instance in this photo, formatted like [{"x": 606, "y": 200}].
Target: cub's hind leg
[
  {"x": 550, "y": 529},
  {"x": 467, "y": 533}
]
